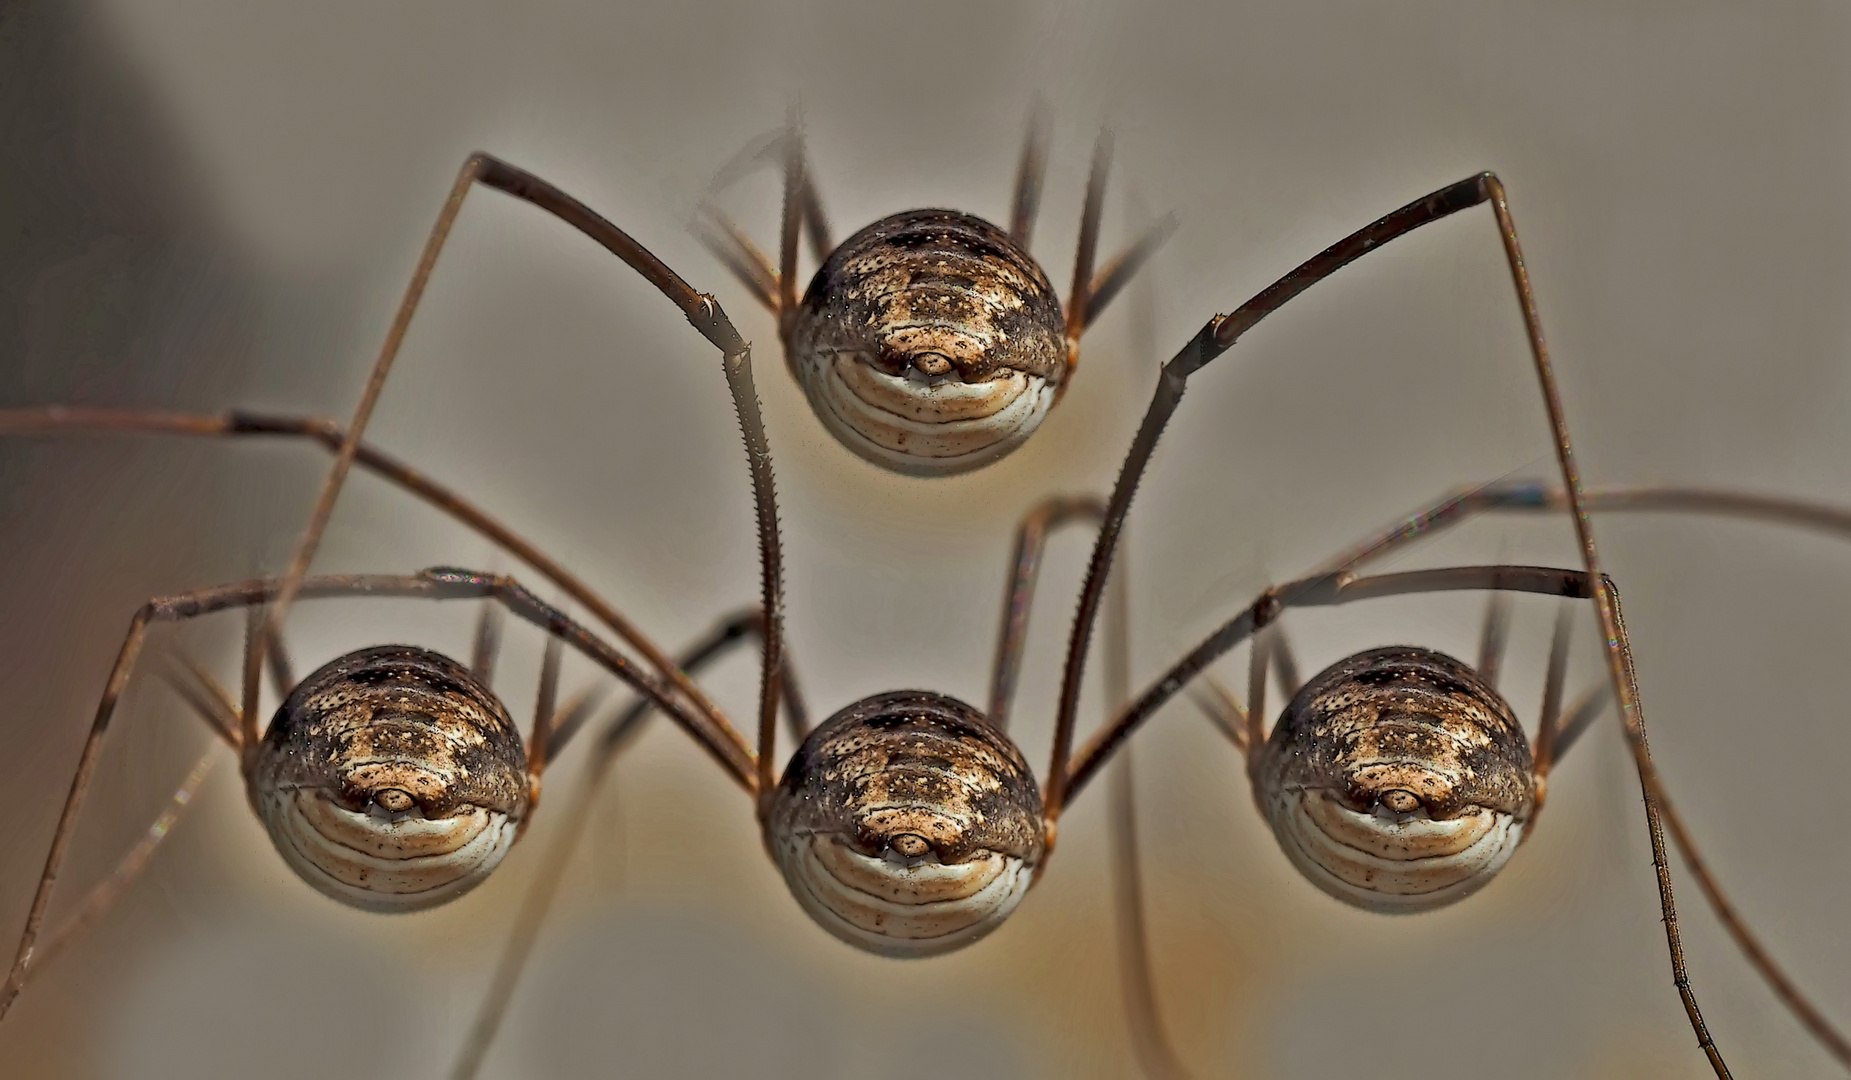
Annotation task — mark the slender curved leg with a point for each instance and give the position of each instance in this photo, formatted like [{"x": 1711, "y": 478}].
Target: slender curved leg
[
  {"x": 701, "y": 310},
  {"x": 1031, "y": 540},
  {"x": 1149, "y": 1039},
  {"x": 1217, "y": 702},
  {"x": 435, "y": 584},
  {"x": 1094, "y": 289},
  {"x": 486, "y": 644},
  {"x": 616, "y": 736},
  {"x": 1549, "y": 716},
  {"x": 540, "y": 740},
  {"x": 1030, "y": 173},
  {"x": 1493, "y": 635},
  {"x": 802, "y": 212}
]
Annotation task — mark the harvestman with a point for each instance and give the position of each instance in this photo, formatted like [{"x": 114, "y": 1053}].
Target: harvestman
[{"x": 964, "y": 826}]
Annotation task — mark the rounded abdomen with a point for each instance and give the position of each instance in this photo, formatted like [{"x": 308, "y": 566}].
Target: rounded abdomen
[
  {"x": 1397, "y": 780},
  {"x": 906, "y": 825},
  {"x": 391, "y": 779},
  {"x": 930, "y": 343}
]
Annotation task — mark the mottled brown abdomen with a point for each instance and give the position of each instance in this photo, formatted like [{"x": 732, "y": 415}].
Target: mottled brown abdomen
[
  {"x": 906, "y": 825},
  {"x": 391, "y": 779},
  {"x": 930, "y": 342},
  {"x": 1397, "y": 780}
]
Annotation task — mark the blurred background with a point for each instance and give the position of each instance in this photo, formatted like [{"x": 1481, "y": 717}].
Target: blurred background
[{"x": 212, "y": 204}]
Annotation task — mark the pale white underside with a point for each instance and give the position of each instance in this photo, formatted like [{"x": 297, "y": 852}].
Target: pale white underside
[
  {"x": 377, "y": 864},
  {"x": 919, "y": 427},
  {"x": 1390, "y": 866},
  {"x": 887, "y": 907}
]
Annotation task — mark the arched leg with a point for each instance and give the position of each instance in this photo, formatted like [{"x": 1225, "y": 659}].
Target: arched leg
[
  {"x": 700, "y": 309},
  {"x": 1031, "y": 540}
]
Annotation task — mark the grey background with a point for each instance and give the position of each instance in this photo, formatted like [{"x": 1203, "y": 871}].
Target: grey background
[{"x": 211, "y": 203}]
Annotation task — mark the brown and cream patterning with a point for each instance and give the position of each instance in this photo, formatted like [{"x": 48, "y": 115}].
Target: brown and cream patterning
[
  {"x": 930, "y": 343},
  {"x": 906, "y": 825},
  {"x": 1397, "y": 780},
  {"x": 391, "y": 779}
]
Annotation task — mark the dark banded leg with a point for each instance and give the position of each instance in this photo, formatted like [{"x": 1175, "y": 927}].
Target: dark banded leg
[{"x": 540, "y": 740}]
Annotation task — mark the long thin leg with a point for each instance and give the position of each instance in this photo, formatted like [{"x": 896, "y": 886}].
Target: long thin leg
[
  {"x": 1030, "y": 173},
  {"x": 701, "y": 310},
  {"x": 1579, "y": 718},
  {"x": 791, "y": 227},
  {"x": 526, "y": 929},
  {"x": 1121, "y": 268},
  {"x": 1031, "y": 541},
  {"x": 436, "y": 584},
  {"x": 486, "y": 643},
  {"x": 1259, "y": 661},
  {"x": 104, "y": 896},
  {"x": 1550, "y": 714},
  {"x": 1216, "y": 337},
  {"x": 541, "y": 739},
  {"x": 329, "y": 435},
  {"x": 1222, "y": 708},
  {"x": 1492, "y": 637},
  {"x": 722, "y": 236},
  {"x": 1657, "y": 811},
  {"x": 1148, "y": 1037},
  {"x": 775, "y": 147},
  {"x": 212, "y": 704},
  {"x": 1285, "y": 662},
  {"x": 1088, "y": 249},
  {"x": 730, "y": 244}
]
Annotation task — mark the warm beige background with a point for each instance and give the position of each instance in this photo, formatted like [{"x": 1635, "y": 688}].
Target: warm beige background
[{"x": 216, "y": 203}]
